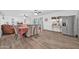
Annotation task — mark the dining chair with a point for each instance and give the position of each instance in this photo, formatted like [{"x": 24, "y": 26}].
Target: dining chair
[{"x": 16, "y": 32}]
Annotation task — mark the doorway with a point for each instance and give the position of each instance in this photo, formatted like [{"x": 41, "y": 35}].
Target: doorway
[{"x": 57, "y": 24}]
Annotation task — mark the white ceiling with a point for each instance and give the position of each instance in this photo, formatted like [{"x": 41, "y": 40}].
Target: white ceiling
[{"x": 28, "y": 12}]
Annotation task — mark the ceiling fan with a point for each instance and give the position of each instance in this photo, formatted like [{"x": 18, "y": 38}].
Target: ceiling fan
[{"x": 37, "y": 12}]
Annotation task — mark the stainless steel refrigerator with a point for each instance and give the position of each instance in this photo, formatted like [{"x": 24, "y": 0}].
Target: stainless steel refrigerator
[{"x": 68, "y": 25}]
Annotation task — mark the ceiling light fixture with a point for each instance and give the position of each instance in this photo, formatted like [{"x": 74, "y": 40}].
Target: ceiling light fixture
[{"x": 36, "y": 12}]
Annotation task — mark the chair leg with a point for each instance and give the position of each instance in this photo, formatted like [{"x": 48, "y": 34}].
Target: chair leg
[{"x": 16, "y": 36}]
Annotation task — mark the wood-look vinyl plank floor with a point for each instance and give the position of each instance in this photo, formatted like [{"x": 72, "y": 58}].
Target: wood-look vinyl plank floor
[{"x": 45, "y": 40}]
